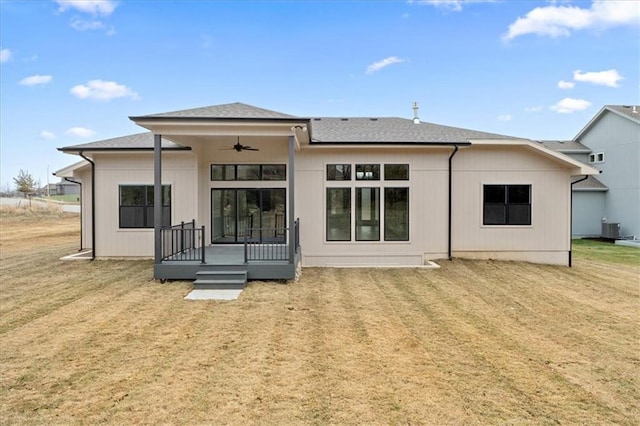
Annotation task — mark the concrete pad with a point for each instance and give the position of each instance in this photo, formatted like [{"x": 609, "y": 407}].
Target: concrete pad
[
  {"x": 628, "y": 243},
  {"x": 207, "y": 294}
]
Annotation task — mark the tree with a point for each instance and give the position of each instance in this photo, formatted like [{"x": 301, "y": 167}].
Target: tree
[{"x": 25, "y": 182}]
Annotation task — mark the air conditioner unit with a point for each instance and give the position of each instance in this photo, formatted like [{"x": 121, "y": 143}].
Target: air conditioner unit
[{"x": 611, "y": 230}]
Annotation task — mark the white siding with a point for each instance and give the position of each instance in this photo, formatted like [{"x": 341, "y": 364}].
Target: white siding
[
  {"x": 113, "y": 170},
  {"x": 545, "y": 240},
  {"x": 427, "y": 206}
]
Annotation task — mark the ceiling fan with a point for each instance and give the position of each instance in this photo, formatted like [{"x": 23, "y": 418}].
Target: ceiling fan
[{"x": 239, "y": 147}]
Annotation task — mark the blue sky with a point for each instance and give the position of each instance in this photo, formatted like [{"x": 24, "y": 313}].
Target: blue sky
[{"x": 73, "y": 71}]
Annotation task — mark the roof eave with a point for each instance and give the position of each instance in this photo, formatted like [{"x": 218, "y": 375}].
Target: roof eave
[{"x": 74, "y": 150}]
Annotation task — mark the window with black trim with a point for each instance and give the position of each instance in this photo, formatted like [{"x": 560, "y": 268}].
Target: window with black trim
[
  {"x": 136, "y": 206},
  {"x": 396, "y": 214},
  {"x": 368, "y": 214},
  {"x": 338, "y": 171},
  {"x": 248, "y": 172},
  {"x": 338, "y": 214},
  {"x": 367, "y": 171},
  {"x": 507, "y": 205},
  {"x": 396, "y": 172}
]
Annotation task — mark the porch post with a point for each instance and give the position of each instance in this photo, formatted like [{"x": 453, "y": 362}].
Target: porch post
[
  {"x": 157, "y": 196},
  {"x": 292, "y": 199}
]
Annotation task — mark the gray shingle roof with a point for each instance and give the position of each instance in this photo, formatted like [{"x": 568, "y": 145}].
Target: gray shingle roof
[
  {"x": 565, "y": 146},
  {"x": 233, "y": 110},
  {"x": 322, "y": 129},
  {"x": 590, "y": 184},
  {"x": 626, "y": 110},
  {"x": 389, "y": 130},
  {"x": 139, "y": 141}
]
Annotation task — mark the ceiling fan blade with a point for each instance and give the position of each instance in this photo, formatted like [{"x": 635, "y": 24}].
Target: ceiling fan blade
[{"x": 248, "y": 148}]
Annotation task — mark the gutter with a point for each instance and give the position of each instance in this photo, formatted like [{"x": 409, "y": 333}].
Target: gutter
[
  {"x": 571, "y": 220},
  {"x": 81, "y": 209},
  {"x": 93, "y": 204},
  {"x": 455, "y": 150}
]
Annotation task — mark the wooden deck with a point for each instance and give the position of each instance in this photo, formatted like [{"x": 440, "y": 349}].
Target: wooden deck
[{"x": 227, "y": 258}]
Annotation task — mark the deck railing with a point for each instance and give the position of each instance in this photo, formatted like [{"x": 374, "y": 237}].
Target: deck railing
[
  {"x": 269, "y": 244},
  {"x": 183, "y": 242}
]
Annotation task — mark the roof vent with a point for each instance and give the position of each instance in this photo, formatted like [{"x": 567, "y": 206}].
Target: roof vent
[
  {"x": 416, "y": 120},
  {"x": 373, "y": 119},
  {"x": 344, "y": 119},
  {"x": 634, "y": 110}
]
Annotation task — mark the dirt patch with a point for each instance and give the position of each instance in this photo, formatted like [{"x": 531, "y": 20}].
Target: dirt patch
[{"x": 474, "y": 342}]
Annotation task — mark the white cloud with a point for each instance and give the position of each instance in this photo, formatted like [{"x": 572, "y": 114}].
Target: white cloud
[
  {"x": 45, "y": 134},
  {"x": 455, "y": 5},
  {"x": 82, "y": 25},
  {"x": 80, "y": 132},
  {"x": 92, "y": 7},
  {"x": 505, "y": 117},
  {"x": 609, "y": 78},
  {"x": 569, "y": 105},
  {"x": 556, "y": 21},
  {"x": 35, "y": 80},
  {"x": 533, "y": 109},
  {"x": 566, "y": 84},
  {"x": 377, "y": 66},
  {"x": 103, "y": 91},
  {"x": 5, "y": 55}
]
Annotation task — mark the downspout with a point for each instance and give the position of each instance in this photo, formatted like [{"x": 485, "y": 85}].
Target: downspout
[
  {"x": 81, "y": 209},
  {"x": 455, "y": 150},
  {"x": 571, "y": 220},
  {"x": 93, "y": 205}
]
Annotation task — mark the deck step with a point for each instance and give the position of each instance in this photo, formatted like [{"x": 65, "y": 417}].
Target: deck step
[{"x": 232, "y": 280}]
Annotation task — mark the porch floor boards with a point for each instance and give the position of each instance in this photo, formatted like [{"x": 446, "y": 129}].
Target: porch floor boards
[{"x": 222, "y": 255}]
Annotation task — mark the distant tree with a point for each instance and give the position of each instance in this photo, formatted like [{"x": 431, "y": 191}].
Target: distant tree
[{"x": 25, "y": 183}]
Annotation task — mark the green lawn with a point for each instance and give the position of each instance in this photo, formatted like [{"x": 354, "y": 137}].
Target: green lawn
[{"x": 609, "y": 252}]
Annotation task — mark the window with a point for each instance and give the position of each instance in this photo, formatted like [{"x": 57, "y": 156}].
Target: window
[
  {"x": 396, "y": 172},
  {"x": 507, "y": 205},
  {"x": 370, "y": 211},
  {"x": 338, "y": 214},
  {"x": 396, "y": 214},
  {"x": 136, "y": 206},
  {"x": 596, "y": 157},
  {"x": 338, "y": 171},
  {"x": 249, "y": 172},
  {"x": 236, "y": 212},
  {"x": 368, "y": 214},
  {"x": 367, "y": 171}
]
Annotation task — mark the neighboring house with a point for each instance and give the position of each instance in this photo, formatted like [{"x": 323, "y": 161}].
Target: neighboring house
[
  {"x": 60, "y": 188},
  {"x": 589, "y": 194},
  {"x": 613, "y": 136},
  {"x": 268, "y": 192}
]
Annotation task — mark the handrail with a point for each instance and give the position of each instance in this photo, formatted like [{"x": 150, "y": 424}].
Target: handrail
[
  {"x": 183, "y": 242},
  {"x": 270, "y": 244}
]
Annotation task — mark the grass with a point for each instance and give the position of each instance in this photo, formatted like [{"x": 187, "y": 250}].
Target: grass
[
  {"x": 597, "y": 250},
  {"x": 476, "y": 342}
]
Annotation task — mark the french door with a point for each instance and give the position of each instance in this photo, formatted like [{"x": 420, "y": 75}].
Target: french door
[{"x": 236, "y": 212}]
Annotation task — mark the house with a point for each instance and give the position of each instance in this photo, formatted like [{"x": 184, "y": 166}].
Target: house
[
  {"x": 589, "y": 195},
  {"x": 613, "y": 136},
  {"x": 252, "y": 191}
]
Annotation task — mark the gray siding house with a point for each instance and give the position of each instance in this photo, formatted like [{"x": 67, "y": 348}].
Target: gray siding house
[
  {"x": 588, "y": 194},
  {"x": 613, "y": 136}
]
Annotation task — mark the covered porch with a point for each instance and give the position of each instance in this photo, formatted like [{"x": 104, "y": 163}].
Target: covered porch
[{"x": 243, "y": 200}]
